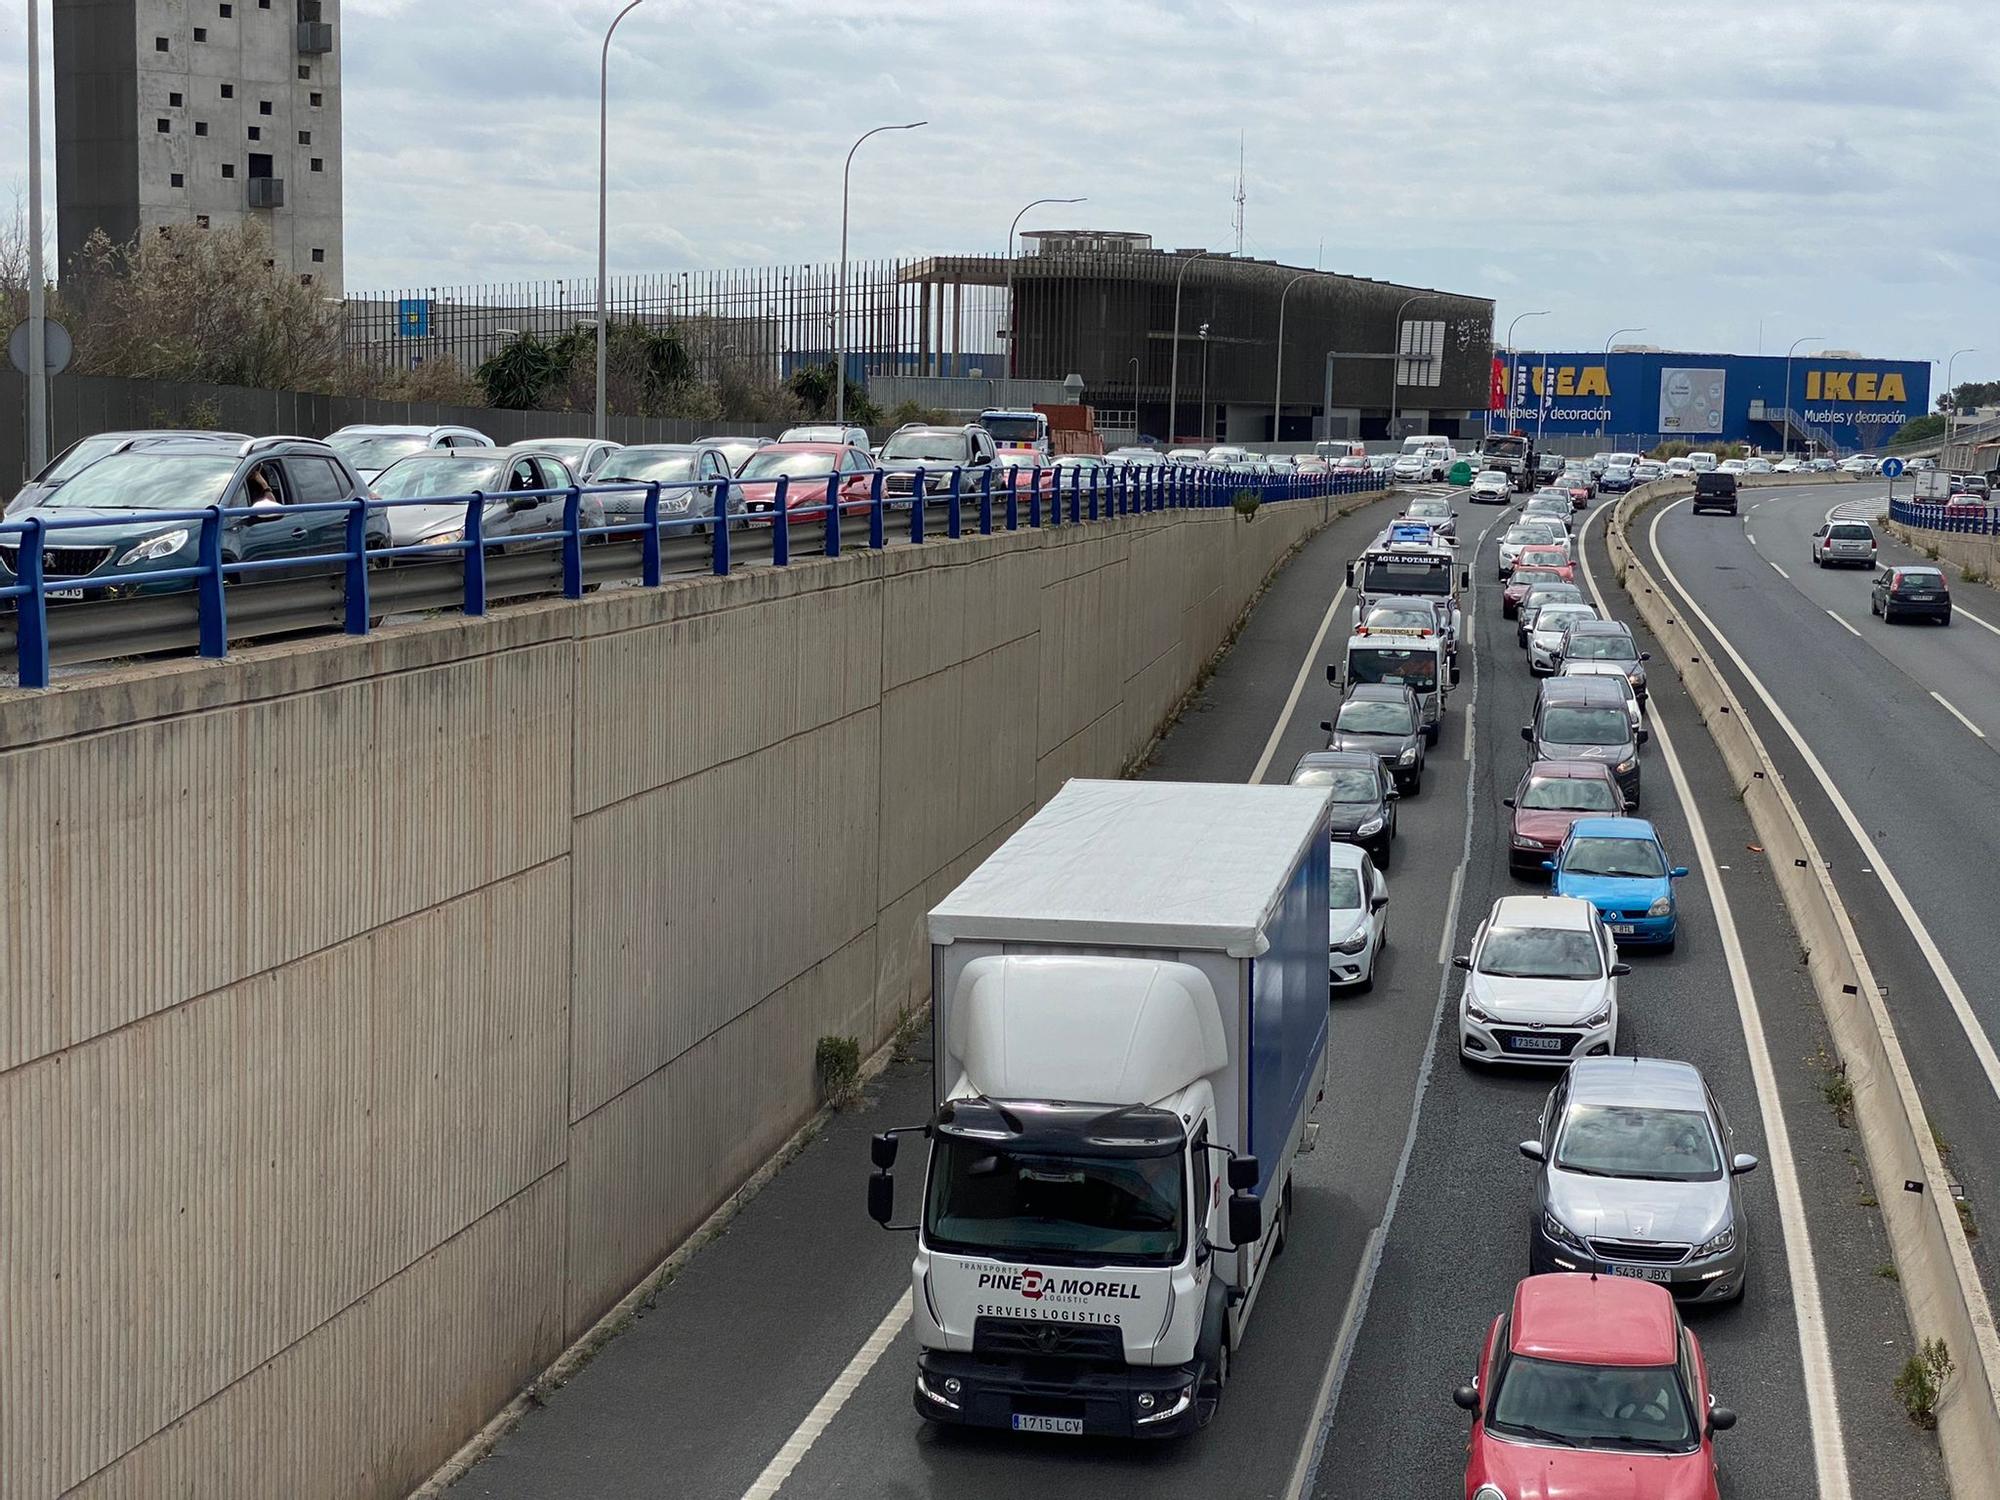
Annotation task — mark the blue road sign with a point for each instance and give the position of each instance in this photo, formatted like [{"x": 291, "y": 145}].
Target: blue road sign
[{"x": 1892, "y": 468}]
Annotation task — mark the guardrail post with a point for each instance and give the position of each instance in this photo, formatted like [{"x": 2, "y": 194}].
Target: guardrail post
[
  {"x": 357, "y": 567},
  {"x": 649, "y": 544},
  {"x": 986, "y": 500},
  {"x": 833, "y": 514},
  {"x": 719, "y": 531},
  {"x": 1013, "y": 499},
  {"x": 208, "y": 591},
  {"x": 1034, "y": 497},
  {"x": 475, "y": 554},
  {"x": 781, "y": 524},
  {"x": 876, "y": 520},
  {"x": 1075, "y": 494},
  {"x": 954, "y": 515},
  {"x": 1093, "y": 494},
  {"x": 572, "y": 556},
  {"x": 31, "y": 622},
  {"x": 917, "y": 506}
]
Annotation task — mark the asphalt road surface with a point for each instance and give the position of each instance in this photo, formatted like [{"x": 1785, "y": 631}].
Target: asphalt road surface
[{"x": 780, "y": 1361}]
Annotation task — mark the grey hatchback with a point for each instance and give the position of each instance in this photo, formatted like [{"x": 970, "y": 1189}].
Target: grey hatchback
[
  {"x": 1383, "y": 719},
  {"x": 512, "y": 479},
  {"x": 1584, "y": 718}
]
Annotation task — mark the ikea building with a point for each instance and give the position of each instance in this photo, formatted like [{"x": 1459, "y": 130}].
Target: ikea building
[{"x": 1636, "y": 398}]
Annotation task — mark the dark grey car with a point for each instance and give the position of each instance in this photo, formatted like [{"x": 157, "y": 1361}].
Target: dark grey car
[
  {"x": 508, "y": 477},
  {"x": 1609, "y": 640},
  {"x": 687, "y": 474},
  {"x": 1364, "y": 797},
  {"x": 1584, "y": 718},
  {"x": 1638, "y": 1179},
  {"x": 937, "y": 450},
  {"x": 1384, "y": 720}
]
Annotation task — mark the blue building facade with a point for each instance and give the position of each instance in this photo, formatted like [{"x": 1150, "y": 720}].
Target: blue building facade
[{"x": 1641, "y": 399}]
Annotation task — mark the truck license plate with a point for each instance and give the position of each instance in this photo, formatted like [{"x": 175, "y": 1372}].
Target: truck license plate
[
  {"x": 1067, "y": 1426},
  {"x": 1537, "y": 1044},
  {"x": 1637, "y": 1273}
]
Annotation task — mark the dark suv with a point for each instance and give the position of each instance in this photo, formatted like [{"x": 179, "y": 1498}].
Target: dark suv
[
  {"x": 935, "y": 450},
  {"x": 1584, "y": 718},
  {"x": 1713, "y": 491}
]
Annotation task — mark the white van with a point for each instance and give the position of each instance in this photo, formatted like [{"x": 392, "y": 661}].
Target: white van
[
  {"x": 1427, "y": 440},
  {"x": 1340, "y": 448},
  {"x": 1702, "y": 461}
]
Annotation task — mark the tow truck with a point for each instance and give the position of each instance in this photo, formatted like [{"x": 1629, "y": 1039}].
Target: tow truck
[
  {"x": 1408, "y": 655},
  {"x": 1408, "y": 560}
]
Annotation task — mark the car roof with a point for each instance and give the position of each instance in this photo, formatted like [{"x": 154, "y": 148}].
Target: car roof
[
  {"x": 1345, "y": 856},
  {"x": 1379, "y": 692},
  {"x": 1576, "y": 1318},
  {"x": 1917, "y": 568},
  {"x": 1576, "y": 690},
  {"x": 1604, "y": 627},
  {"x": 181, "y": 445},
  {"x": 1328, "y": 760},
  {"x": 398, "y": 429},
  {"x": 694, "y": 447},
  {"x": 1613, "y": 828},
  {"x": 809, "y": 445},
  {"x": 1573, "y": 770},
  {"x": 1666, "y": 1082},
  {"x": 1569, "y": 913}
]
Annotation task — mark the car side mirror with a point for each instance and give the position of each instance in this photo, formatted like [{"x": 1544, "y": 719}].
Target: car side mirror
[
  {"x": 1527, "y": 731},
  {"x": 1506, "y": 801},
  {"x": 1332, "y": 675},
  {"x": 1461, "y": 961},
  {"x": 271, "y": 511},
  {"x": 1720, "y": 1419},
  {"x": 1619, "y": 971},
  {"x": 1645, "y": 656},
  {"x": 1454, "y": 674},
  {"x": 1376, "y": 903},
  {"x": 1678, "y": 872},
  {"x": 1243, "y": 1172},
  {"x": 1327, "y": 725},
  {"x": 1645, "y": 735},
  {"x": 1549, "y": 865},
  {"x": 1467, "y": 1396},
  {"x": 1741, "y": 1163},
  {"x": 1395, "y": 794},
  {"x": 522, "y": 502},
  {"x": 1533, "y": 1151}
]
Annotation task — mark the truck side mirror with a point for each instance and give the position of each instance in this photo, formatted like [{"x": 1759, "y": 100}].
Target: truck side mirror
[
  {"x": 882, "y": 1150},
  {"x": 1465, "y": 578},
  {"x": 881, "y": 1197},
  {"x": 1246, "y": 1220},
  {"x": 1332, "y": 675},
  {"x": 1645, "y": 735},
  {"x": 1243, "y": 1174},
  {"x": 1454, "y": 674},
  {"x": 1350, "y": 575}
]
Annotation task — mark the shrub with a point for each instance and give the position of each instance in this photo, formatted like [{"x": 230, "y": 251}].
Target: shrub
[
  {"x": 837, "y": 1066},
  {"x": 1921, "y": 1384}
]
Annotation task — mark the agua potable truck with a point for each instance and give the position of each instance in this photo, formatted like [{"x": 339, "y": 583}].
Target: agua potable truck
[{"x": 1129, "y": 1029}]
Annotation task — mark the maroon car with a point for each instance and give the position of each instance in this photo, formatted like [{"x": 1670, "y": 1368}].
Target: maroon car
[
  {"x": 807, "y": 466},
  {"x": 1519, "y": 582},
  {"x": 1552, "y": 795}
]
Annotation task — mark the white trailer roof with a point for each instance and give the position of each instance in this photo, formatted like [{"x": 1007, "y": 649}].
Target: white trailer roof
[{"x": 1141, "y": 864}]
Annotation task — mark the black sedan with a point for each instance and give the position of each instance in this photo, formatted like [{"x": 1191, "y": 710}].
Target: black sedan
[
  {"x": 1364, "y": 797},
  {"x": 1911, "y": 593}
]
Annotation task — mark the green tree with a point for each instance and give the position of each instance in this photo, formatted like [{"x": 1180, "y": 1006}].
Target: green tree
[
  {"x": 1918, "y": 430},
  {"x": 813, "y": 385}
]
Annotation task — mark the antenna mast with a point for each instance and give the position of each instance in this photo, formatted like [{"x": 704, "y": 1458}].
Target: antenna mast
[{"x": 1240, "y": 195}]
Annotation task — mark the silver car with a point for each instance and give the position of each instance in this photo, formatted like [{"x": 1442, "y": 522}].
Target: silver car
[
  {"x": 1546, "y": 640},
  {"x": 1638, "y": 1178}
]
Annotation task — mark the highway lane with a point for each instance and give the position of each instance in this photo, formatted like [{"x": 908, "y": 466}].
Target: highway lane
[
  {"x": 1458, "y": 1241},
  {"x": 1924, "y": 790}
]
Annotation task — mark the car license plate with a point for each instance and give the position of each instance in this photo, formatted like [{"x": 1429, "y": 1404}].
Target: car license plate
[
  {"x": 1537, "y": 1044},
  {"x": 1622, "y": 929},
  {"x": 1067, "y": 1426},
  {"x": 1637, "y": 1273},
  {"x": 1914, "y": 598},
  {"x": 65, "y": 594}
]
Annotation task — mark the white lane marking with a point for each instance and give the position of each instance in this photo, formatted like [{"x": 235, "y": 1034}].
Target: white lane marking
[
  {"x": 1815, "y": 1355},
  {"x": 1751, "y": 538},
  {"x": 1961, "y": 1007},
  {"x": 1960, "y": 611},
  {"x": 1298, "y": 686},
  {"x": 1306, "y": 1470},
  {"x": 779, "y": 1469},
  {"x": 1957, "y": 715},
  {"x": 1844, "y": 625},
  {"x": 1779, "y": 571},
  {"x": 1451, "y": 904}
]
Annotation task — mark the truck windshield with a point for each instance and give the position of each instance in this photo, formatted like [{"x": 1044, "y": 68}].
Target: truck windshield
[
  {"x": 989, "y": 1200},
  {"x": 1504, "y": 447},
  {"x": 1396, "y": 575},
  {"x": 1014, "y": 429},
  {"x": 1413, "y": 668}
]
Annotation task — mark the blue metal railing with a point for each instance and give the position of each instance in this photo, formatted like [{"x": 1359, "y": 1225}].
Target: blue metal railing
[
  {"x": 214, "y": 537},
  {"x": 1963, "y": 519}
]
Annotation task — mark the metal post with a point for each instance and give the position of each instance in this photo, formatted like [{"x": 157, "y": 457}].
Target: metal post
[
  {"x": 572, "y": 544},
  {"x": 38, "y": 362},
  {"x": 1950, "y": 414},
  {"x": 1811, "y": 338},
  {"x": 1278, "y": 380},
  {"x": 31, "y": 618},
  {"x": 1174, "y": 374},
  {"x": 917, "y": 507},
  {"x": 355, "y": 592},
  {"x": 1396, "y": 363},
  {"x": 474, "y": 602},
  {"x": 1013, "y": 332},
  {"x": 1604, "y": 421},
  {"x": 718, "y": 532},
  {"x": 954, "y": 515},
  {"x": 603, "y": 125},
  {"x": 986, "y": 500},
  {"x": 210, "y": 588},
  {"x": 840, "y": 296},
  {"x": 649, "y": 543},
  {"x": 831, "y": 547},
  {"x": 1203, "y": 408},
  {"x": 1511, "y": 392},
  {"x": 781, "y": 523}
]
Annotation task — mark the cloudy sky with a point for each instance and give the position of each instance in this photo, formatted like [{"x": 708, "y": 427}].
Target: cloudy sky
[{"x": 1695, "y": 169}]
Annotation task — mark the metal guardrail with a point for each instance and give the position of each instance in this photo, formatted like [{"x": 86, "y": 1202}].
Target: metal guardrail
[
  {"x": 60, "y": 619},
  {"x": 1973, "y": 520}
]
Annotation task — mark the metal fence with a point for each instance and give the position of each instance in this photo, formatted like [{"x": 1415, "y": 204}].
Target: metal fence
[
  {"x": 1964, "y": 518},
  {"x": 189, "y": 582}
]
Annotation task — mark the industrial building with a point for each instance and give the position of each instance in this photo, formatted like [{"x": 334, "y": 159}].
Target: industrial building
[
  {"x": 201, "y": 112},
  {"x": 1637, "y": 398}
]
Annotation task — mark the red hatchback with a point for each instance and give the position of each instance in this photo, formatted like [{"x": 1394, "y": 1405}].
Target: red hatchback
[
  {"x": 807, "y": 466},
  {"x": 1519, "y": 582},
  {"x": 1554, "y": 559},
  {"x": 1591, "y": 1386},
  {"x": 1552, "y": 795}
]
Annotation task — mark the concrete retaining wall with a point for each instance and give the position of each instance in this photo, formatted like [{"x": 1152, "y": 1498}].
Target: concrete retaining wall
[
  {"x": 1936, "y": 1273},
  {"x": 377, "y": 1012}
]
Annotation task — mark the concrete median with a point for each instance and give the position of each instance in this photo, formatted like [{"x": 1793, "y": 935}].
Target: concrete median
[{"x": 1939, "y": 1280}]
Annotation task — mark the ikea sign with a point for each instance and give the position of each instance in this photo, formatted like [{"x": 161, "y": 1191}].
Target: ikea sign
[{"x": 1855, "y": 385}]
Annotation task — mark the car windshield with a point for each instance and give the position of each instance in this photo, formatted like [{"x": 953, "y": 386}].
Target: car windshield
[
  {"x": 947, "y": 447},
  {"x": 644, "y": 468},
  {"x": 985, "y": 1199},
  {"x": 1561, "y": 593},
  {"x": 1537, "y": 557},
  {"x": 1019, "y": 458},
  {"x": 77, "y": 459},
  {"x": 735, "y": 450},
  {"x": 148, "y": 481},
  {"x": 1439, "y": 508},
  {"x": 379, "y": 451},
  {"x": 1343, "y": 890},
  {"x": 1490, "y": 476},
  {"x": 440, "y": 474},
  {"x": 1619, "y": 1140},
  {"x": 1569, "y": 794},
  {"x": 1527, "y": 578},
  {"x": 814, "y": 435},
  {"x": 1369, "y": 716},
  {"x": 764, "y": 464},
  {"x": 1606, "y": 647},
  {"x": 1540, "y": 953},
  {"x": 1636, "y": 859},
  {"x": 1552, "y": 615},
  {"x": 1586, "y": 726},
  {"x": 1525, "y": 534},
  {"x": 1348, "y": 783},
  {"x": 1416, "y": 670},
  {"x": 1593, "y": 1406}
]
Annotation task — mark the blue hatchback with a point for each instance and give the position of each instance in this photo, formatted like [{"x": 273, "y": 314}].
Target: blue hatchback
[{"x": 1619, "y": 866}]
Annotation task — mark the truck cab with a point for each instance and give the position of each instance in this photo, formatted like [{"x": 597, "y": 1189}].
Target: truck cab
[
  {"x": 1413, "y": 656},
  {"x": 1428, "y": 569},
  {"x": 1510, "y": 453},
  {"x": 1017, "y": 429}
]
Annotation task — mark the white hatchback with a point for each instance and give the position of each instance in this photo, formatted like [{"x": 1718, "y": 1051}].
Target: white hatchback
[
  {"x": 1541, "y": 984},
  {"x": 1357, "y": 921}
]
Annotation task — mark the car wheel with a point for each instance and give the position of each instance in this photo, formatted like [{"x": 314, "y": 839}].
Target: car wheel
[
  {"x": 1888, "y": 614},
  {"x": 1945, "y": 618}
]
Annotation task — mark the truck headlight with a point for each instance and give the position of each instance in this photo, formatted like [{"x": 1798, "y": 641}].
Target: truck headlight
[
  {"x": 156, "y": 547},
  {"x": 1664, "y": 907},
  {"x": 1372, "y": 826},
  {"x": 1719, "y": 1245}
]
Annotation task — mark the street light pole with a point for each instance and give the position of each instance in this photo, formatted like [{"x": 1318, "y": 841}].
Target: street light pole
[
  {"x": 1950, "y": 412},
  {"x": 1811, "y": 338},
  {"x": 1396, "y": 364},
  {"x": 1174, "y": 374},
  {"x": 1604, "y": 421},
  {"x": 603, "y": 148},
  {"x": 1203, "y": 408},
  {"x": 840, "y": 296},
  {"x": 1013, "y": 334},
  {"x": 1513, "y": 394},
  {"x": 1278, "y": 381},
  {"x": 38, "y": 363}
]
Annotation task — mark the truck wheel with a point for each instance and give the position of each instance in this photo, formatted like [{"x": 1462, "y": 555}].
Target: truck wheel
[
  {"x": 1213, "y": 1349},
  {"x": 1285, "y": 1200}
]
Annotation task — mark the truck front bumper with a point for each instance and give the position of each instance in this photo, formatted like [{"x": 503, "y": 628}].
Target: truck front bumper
[{"x": 1138, "y": 1401}]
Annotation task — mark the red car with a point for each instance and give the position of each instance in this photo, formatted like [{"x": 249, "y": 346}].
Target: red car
[
  {"x": 1555, "y": 559},
  {"x": 1591, "y": 1386},
  {"x": 1519, "y": 582},
  {"x": 1578, "y": 491},
  {"x": 808, "y": 466},
  {"x": 1552, "y": 795}
]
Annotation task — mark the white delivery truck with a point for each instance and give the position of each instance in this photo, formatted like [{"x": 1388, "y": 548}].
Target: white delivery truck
[
  {"x": 1128, "y": 1033},
  {"x": 1420, "y": 659}
]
